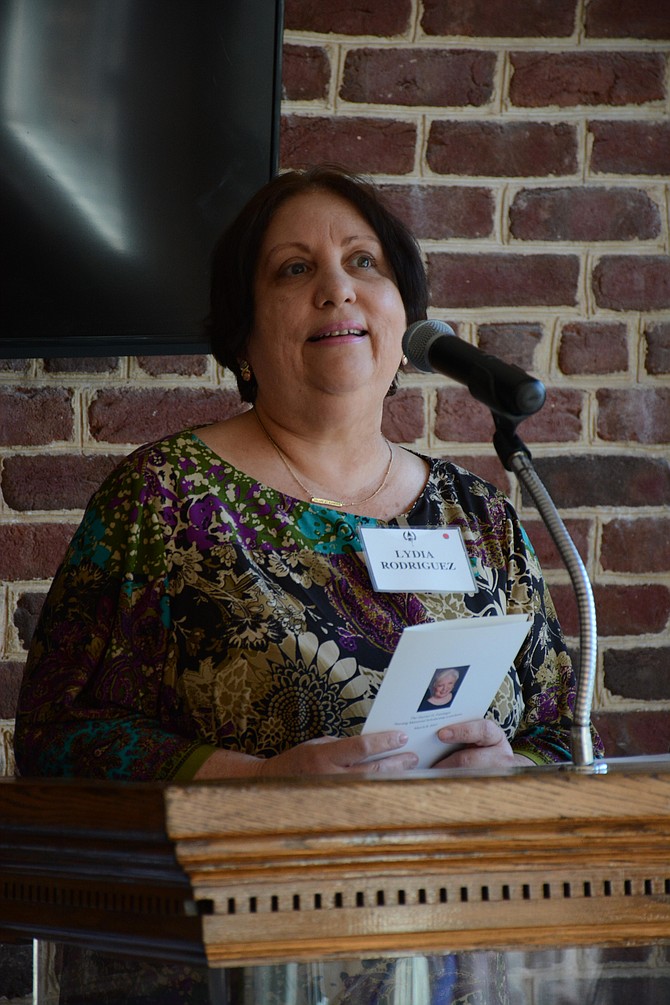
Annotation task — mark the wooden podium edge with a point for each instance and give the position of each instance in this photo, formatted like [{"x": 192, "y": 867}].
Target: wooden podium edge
[{"x": 320, "y": 868}]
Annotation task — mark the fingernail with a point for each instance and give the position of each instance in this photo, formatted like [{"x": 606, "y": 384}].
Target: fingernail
[{"x": 402, "y": 738}]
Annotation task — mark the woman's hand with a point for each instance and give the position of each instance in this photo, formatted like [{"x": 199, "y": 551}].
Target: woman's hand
[
  {"x": 485, "y": 746},
  {"x": 332, "y": 755},
  {"x": 327, "y": 755}
]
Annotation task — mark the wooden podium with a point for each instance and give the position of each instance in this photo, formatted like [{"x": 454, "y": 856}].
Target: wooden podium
[{"x": 339, "y": 867}]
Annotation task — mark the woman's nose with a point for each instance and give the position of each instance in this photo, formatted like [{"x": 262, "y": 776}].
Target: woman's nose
[{"x": 334, "y": 287}]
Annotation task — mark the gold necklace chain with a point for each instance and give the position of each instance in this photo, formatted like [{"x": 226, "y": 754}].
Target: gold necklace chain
[{"x": 319, "y": 500}]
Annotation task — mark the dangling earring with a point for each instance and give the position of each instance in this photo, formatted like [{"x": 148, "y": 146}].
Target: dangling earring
[
  {"x": 404, "y": 361},
  {"x": 245, "y": 370}
]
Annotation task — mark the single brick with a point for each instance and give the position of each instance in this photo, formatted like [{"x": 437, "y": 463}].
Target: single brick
[
  {"x": 26, "y": 616},
  {"x": 634, "y": 19},
  {"x": 565, "y": 602},
  {"x": 184, "y": 366},
  {"x": 460, "y": 418},
  {"x": 639, "y": 673},
  {"x": 305, "y": 73},
  {"x": 604, "y": 480},
  {"x": 503, "y": 280},
  {"x": 593, "y": 347},
  {"x": 584, "y": 214},
  {"x": 641, "y": 415},
  {"x": 511, "y": 149},
  {"x": 620, "y": 610},
  {"x": 34, "y": 415},
  {"x": 442, "y": 211},
  {"x": 567, "y": 79},
  {"x": 404, "y": 416},
  {"x": 11, "y": 674},
  {"x": 81, "y": 364},
  {"x": 636, "y": 544},
  {"x": 559, "y": 420},
  {"x": 485, "y": 466},
  {"x": 543, "y": 543},
  {"x": 499, "y": 18},
  {"x": 632, "y": 282},
  {"x": 372, "y": 146},
  {"x": 630, "y": 148},
  {"x": 633, "y": 733},
  {"x": 53, "y": 481},
  {"x": 657, "y": 341},
  {"x": 435, "y": 77},
  {"x": 14, "y": 365},
  {"x": 32, "y": 550},
  {"x": 137, "y": 415},
  {"x": 515, "y": 342},
  {"x": 348, "y": 17}
]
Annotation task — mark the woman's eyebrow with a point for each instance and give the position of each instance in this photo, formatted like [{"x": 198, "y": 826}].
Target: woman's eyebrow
[
  {"x": 301, "y": 246},
  {"x": 298, "y": 245}
]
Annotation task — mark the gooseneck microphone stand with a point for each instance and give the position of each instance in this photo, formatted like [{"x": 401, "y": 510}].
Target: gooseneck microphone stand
[
  {"x": 512, "y": 396},
  {"x": 516, "y": 457}
]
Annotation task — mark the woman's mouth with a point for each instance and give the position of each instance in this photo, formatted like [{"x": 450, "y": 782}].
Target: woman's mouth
[{"x": 338, "y": 333}]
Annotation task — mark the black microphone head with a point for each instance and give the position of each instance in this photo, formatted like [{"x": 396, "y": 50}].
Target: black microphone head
[{"x": 418, "y": 339}]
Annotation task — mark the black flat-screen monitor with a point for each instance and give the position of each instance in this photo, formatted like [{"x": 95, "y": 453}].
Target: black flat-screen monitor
[{"x": 131, "y": 132}]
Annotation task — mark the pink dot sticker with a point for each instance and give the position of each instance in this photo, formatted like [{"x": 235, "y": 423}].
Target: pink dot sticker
[{"x": 445, "y": 534}]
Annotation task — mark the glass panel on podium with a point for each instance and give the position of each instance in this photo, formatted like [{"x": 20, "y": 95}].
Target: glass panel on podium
[{"x": 562, "y": 976}]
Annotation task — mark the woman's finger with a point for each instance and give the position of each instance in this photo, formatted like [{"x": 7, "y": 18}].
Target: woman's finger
[{"x": 477, "y": 732}]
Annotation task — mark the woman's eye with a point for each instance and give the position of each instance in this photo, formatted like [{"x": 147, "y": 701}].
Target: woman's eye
[
  {"x": 295, "y": 269},
  {"x": 364, "y": 261}
]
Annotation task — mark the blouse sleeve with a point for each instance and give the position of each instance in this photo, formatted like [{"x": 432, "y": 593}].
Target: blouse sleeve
[
  {"x": 544, "y": 665},
  {"x": 96, "y": 698}
]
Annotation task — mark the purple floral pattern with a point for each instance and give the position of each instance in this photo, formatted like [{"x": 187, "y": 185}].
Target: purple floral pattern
[{"x": 197, "y": 608}]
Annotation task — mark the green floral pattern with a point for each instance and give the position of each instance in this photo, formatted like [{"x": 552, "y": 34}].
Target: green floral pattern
[{"x": 197, "y": 608}]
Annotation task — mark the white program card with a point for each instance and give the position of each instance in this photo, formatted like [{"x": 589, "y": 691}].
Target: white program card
[{"x": 442, "y": 673}]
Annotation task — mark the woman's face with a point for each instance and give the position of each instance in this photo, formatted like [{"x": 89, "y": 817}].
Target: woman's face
[
  {"x": 444, "y": 685},
  {"x": 328, "y": 314}
]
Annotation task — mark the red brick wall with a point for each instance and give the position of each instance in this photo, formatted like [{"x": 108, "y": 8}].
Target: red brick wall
[{"x": 528, "y": 145}]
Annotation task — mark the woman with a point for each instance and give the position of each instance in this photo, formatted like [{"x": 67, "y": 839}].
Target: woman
[
  {"x": 442, "y": 688},
  {"x": 213, "y": 616}
]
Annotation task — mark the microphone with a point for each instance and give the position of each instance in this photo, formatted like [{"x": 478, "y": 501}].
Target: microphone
[{"x": 432, "y": 346}]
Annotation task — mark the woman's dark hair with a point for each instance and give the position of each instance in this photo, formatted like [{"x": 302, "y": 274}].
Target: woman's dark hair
[{"x": 235, "y": 258}]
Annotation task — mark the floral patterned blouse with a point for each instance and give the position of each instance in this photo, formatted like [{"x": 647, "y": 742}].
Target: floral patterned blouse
[{"x": 196, "y": 608}]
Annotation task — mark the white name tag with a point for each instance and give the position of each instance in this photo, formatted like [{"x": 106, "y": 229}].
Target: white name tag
[{"x": 417, "y": 559}]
